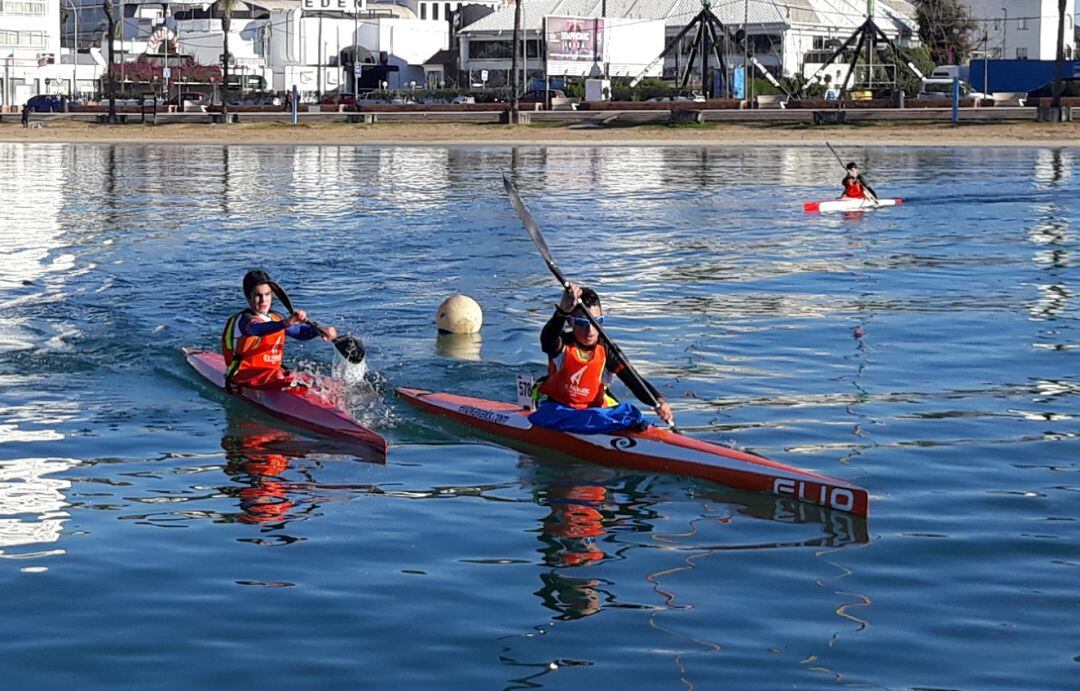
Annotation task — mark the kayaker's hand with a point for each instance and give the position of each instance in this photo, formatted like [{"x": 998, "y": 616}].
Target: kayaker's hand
[
  {"x": 570, "y": 297},
  {"x": 663, "y": 410},
  {"x": 329, "y": 333},
  {"x": 297, "y": 317}
]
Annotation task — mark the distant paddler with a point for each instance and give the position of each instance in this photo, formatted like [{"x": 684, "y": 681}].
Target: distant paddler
[
  {"x": 253, "y": 341},
  {"x": 855, "y": 186}
]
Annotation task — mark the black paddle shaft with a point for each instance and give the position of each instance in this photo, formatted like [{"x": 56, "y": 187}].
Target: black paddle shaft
[
  {"x": 538, "y": 239},
  {"x": 350, "y": 347}
]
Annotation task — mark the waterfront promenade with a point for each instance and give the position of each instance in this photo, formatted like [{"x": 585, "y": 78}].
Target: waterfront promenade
[{"x": 974, "y": 134}]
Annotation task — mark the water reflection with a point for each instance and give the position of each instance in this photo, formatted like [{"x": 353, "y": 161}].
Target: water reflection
[
  {"x": 595, "y": 514},
  {"x": 259, "y": 460},
  {"x": 32, "y": 504}
]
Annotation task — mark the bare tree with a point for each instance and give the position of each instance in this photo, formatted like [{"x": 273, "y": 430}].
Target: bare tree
[{"x": 946, "y": 28}]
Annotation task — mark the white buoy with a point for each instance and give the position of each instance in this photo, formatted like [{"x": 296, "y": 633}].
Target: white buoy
[{"x": 459, "y": 314}]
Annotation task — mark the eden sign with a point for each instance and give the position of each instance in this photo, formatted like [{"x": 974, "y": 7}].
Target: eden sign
[{"x": 334, "y": 5}]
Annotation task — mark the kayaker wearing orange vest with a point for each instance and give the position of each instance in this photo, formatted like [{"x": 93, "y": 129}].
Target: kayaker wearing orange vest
[
  {"x": 855, "y": 186},
  {"x": 253, "y": 341},
  {"x": 579, "y": 368}
]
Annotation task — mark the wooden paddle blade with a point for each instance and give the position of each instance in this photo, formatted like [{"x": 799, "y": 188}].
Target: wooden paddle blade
[{"x": 350, "y": 348}]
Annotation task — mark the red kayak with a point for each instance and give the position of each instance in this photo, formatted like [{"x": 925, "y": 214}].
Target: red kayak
[
  {"x": 654, "y": 450},
  {"x": 303, "y": 408}
]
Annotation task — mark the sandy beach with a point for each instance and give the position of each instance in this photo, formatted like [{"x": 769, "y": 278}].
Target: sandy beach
[{"x": 397, "y": 133}]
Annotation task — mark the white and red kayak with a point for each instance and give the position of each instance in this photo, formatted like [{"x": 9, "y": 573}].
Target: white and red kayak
[
  {"x": 849, "y": 204},
  {"x": 654, "y": 450},
  {"x": 301, "y": 407}
]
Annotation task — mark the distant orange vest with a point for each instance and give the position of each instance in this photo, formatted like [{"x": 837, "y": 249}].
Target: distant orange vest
[
  {"x": 853, "y": 188},
  {"x": 577, "y": 382},
  {"x": 253, "y": 361}
]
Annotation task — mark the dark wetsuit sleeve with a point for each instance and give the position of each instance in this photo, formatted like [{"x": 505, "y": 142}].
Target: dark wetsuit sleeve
[
  {"x": 302, "y": 332},
  {"x": 251, "y": 327},
  {"x": 643, "y": 390},
  {"x": 866, "y": 186},
  {"x": 551, "y": 336}
]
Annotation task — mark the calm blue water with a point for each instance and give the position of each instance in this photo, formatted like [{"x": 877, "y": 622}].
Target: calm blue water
[{"x": 154, "y": 535}]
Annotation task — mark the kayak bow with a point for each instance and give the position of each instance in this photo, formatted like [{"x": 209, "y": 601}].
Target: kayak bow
[
  {"x": 305, "y": 408},
  {"x": 654, "y": 450}
]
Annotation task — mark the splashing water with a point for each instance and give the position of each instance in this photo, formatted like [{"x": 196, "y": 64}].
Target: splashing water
[{"x": 353, "y": 374}]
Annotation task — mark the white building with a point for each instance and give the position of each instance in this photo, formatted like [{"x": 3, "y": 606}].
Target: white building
[
  {"x": 787, "y": 37},
  {"x": 1022, "y": 29},
  {"x": 29, "y": 49},
  {"x": 281, "y": 43}
]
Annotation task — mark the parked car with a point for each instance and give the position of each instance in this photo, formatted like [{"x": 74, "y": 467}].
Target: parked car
[
  {"x": 199, "y": 99},
  {"x": 1070, "y": 86},
  {"x": 541, "y": 96},
  {"x": 45, "y": 103},
  {"x": 943, "y": 89},
  {"x": 463, "y": 99}
]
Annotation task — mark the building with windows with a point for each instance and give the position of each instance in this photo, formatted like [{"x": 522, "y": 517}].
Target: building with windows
[
  {"x": 276, "y": 44},
  {"x": 787, "y": 38},
  {"x": 1022, "y": 29},
  {"x": 29, "y": 49}
]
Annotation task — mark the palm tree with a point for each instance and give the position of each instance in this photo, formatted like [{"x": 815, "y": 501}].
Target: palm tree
[
  {"x": 225, "y": 7},
  {"x": 514, "y": 62},
  {"x": 1059, "y": 73},
  {"x": 107, "y": 5}
]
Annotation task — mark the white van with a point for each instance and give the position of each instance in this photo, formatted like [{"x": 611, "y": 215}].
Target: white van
[
  {"x": 946, "y": 72},
  {"x": 935, "y": 87}
]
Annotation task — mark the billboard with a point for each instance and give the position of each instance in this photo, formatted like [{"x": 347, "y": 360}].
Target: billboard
[
  {"x": 575, "y": 45},
  {"x": 594, "y": 46}
]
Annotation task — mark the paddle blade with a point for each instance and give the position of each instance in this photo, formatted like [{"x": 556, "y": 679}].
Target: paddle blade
[
  {"x": 530, "y": 225},
  {"x": 350, "y": 348}
]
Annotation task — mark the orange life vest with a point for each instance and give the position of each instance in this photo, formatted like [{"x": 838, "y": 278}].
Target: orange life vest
[
  {"x": 253, "y": 361},
  {"x": 574, "y": 380},
  {"x": 853, "y": 188}
]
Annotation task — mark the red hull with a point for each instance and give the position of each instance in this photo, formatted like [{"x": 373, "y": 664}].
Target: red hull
[
  {"x": 654, "y": 450},
  {"x": 306, "y": 410}
]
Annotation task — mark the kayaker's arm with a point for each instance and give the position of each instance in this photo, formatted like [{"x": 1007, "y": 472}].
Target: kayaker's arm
[
  {"x": 643, "y": 390},
  {"x": 302, "y": 332},
  {"x": 867, "y": 187},
  {"x": 551, "y": 336},
  {"x": 252, "y": 327}
]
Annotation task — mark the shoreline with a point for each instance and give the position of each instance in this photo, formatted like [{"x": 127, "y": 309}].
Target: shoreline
[{"x": 1006, "y": 135}]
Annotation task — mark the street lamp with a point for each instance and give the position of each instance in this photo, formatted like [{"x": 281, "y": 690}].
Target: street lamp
[{"x": 74, "y": 48}]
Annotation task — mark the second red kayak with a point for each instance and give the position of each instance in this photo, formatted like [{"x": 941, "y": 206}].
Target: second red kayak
[
  {"x": 303, "y": 408},
  {"x": 654, "y": 450}
]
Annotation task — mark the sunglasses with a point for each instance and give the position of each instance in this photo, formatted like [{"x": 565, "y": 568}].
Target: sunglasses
[{"x": 584, "y": 323}]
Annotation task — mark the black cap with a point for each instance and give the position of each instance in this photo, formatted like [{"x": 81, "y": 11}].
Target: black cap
[
  {"x": 253, "y": 278},
  {"x": 851, "y": 165}
]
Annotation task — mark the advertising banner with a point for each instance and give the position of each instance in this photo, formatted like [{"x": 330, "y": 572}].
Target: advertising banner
[{"x": 575, "y": 45}]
